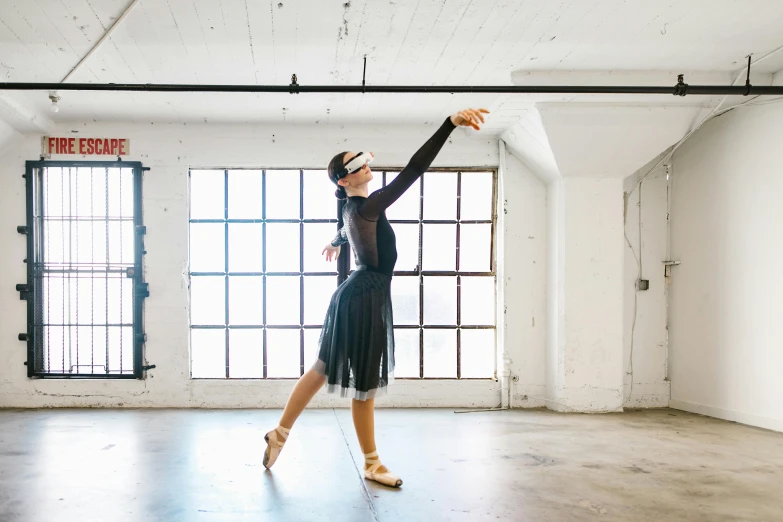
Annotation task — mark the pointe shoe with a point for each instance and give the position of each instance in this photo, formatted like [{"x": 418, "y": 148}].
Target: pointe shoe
[
  {"x": 275, "y": 440},
  {"x": 371, "y": 473}
]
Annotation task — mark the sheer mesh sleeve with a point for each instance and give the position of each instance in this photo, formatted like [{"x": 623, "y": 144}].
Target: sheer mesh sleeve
[
  {"x": 340, "y": 239},
  {"x": 381, "y": 199}
]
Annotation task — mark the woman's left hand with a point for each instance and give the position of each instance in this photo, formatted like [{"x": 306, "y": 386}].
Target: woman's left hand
[{"x": 331, "y": 252}]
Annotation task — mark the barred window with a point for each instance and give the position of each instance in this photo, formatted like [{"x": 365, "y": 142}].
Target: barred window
[{"x": 84, "y": 286}]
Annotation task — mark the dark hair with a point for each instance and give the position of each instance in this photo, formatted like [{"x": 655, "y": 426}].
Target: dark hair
[{"x": 336, "y": 171}]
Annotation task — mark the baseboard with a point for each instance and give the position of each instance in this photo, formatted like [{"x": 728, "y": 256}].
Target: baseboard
[
  {"x": 768, "y": 423},
  {"x": 647, "y": 401},
  {"x": 218, "y": 393},
  {"x": 648, "y": 395}
]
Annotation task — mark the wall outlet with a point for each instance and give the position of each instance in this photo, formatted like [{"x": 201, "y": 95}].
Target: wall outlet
[{"x": 642, "y": 284}]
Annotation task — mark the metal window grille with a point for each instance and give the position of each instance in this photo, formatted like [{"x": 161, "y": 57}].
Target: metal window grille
[
  {"x": 258, "y": 297},
  {"x": 85, "y": 287}
]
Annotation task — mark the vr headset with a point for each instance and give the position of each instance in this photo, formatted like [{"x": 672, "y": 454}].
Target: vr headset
[{"x": 358, "y": 162}]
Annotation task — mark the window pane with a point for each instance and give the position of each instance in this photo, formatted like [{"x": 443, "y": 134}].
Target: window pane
[
  {"x": 318, "y": 292},
  {"x": 113, "y": 299},
  {"x": 245, "y": 247},
  {"x": 207, "y": 247},
  {"x": 113, "y": 177},
  {"x": 440, "y": 353},
  {"x": 99, "y": 200},
  {"x": 478, "y": 300},
  {"x": 115, "y": 355},
  {"x": 476, "y": 195},
  {"x": 89, "y": 296},
  {"x": 246, "y": 354},
  {"x": 282, "y": 300},
  {"x": 440, "y": 195},
  {"x": 475, "y": 246},
  {"x": 54, "y": 197},
  {"x": 439, "y": 247},
  {"x": 407, "y": 246},
  {"x": 208, "y": 353},
  {"x": 54, "y": 339},
  {"x": 121, "y": 241},
  {"x": 207, "y": 194},
  {"x": 127, "y": 192},
  {"x": 282, "y": 247},
  {"x": 311, "y": 346},
  {"x": 440, "y": 300},
  {"x": 245, "y": 300},
  {"x": 127, "y": 299},
  {"x": 55, "y": 242},
  {"x": 407, "y": 207},
  {"x": 282, "y": 353},
  {"x": 316, "y": 237},
  {"x": 477, "y": 353},
  {"x": 85, "y": 305},
  {"x": 83, "y": 203},
  {"x": 319, "y": 200},
  {"x": 405, "y": 299},
  {"x": 282, "y": 194},
  {"x": 98, "y": 313},
  {"x": 245, "y": 194},
  {"x": 79, "y": 192},
  {"x": 91, "y": 245},
  {"x": 126, "y": 349},
  {"x": 207, "y": 300},
  {"x": 83, "y": 349},
  {"x": 406, "y": 352},
  {"x": 54, "y": 297}
]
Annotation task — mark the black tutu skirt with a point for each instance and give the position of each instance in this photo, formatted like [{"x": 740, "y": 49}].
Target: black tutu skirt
[{"x": 357, "y": 340}]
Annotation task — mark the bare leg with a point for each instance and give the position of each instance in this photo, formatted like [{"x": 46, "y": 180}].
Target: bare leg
[
  {"x": 306, "y": 388},
  {"x": 363, "y": 413}
]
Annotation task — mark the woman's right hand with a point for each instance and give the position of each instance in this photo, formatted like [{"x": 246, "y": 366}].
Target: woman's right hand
[
  {"x": 331, "y": 252},
  {"x": 469, "y": 118}
]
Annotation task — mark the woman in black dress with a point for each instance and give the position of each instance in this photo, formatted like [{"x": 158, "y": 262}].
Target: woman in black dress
[{"x": 356, "y": 353}]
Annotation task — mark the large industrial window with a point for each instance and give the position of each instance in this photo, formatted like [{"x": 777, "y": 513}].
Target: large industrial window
[
  {"x": 84, "y": 286},
  {"x": 259, "y": 286}
]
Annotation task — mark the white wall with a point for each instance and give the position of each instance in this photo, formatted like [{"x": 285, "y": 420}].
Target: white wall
[
  {"x": 646, "y": 382},
  {"x": 525, "y": 282},
  {"x": 585, "y": 298},
  {"x": 726, "y": 331},
  {"x": 170, "y": 150},
  {"x": 7, "y": 136}
]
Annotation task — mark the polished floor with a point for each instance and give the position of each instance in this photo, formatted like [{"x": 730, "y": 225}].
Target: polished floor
[{"x": 205, "y": 465}]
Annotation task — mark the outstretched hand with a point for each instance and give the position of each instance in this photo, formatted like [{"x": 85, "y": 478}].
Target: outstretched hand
[
  {"x": 469, "y": 118},
  {"x": 331, "y": 252}
]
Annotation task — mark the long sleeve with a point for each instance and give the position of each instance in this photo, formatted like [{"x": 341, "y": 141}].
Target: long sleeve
[
  {"x": 381, "y": 199},
  {"x": 340, "y": 239}
]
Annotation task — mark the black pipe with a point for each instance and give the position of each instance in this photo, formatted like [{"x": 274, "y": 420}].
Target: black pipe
[{"x": 714, "y": 90}]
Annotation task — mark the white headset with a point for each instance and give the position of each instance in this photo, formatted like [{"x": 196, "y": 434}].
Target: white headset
[{"x": 358, "y": 161}]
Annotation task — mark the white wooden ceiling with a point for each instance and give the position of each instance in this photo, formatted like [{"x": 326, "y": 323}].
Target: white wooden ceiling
[{"x": 415, "y": 42}]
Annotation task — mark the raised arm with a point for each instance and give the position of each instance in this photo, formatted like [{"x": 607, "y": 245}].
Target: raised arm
[{"x": 381, "y": 199}]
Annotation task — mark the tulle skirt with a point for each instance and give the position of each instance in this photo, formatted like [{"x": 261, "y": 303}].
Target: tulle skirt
[{"x": 357, "y": 340}]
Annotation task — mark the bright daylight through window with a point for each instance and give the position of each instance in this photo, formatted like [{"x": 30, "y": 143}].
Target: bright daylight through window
[{"x": 259, "y": 286}]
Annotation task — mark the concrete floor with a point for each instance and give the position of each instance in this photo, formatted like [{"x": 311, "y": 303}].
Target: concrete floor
[{"x": 205, "y": 465}]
